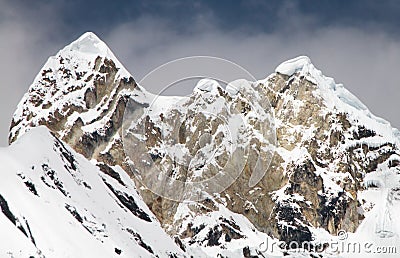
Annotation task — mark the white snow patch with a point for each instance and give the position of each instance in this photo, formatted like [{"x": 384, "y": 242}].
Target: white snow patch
[
  {"x": 293, "y": 65},
  {"x": 207, "y": 85}
]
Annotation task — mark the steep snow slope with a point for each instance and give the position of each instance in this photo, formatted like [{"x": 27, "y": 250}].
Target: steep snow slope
[{"x": 55, "y": 203}]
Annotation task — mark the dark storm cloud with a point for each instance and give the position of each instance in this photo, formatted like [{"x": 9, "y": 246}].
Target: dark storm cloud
[
  {"x": 253, "y": 15},
  {"x": 356, "y": 42}
]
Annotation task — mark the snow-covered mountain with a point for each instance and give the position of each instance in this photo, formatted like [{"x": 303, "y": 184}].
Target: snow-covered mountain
[
  {"x": 334, "y": 167},
  {"x": 55, "y": 203}
]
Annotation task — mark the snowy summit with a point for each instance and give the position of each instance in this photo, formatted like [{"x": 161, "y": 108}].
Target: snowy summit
[{"x": 293, "y": 65}]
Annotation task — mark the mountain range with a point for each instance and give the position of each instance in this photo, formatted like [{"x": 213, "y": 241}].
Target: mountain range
[{"x": 89, "y": 147}]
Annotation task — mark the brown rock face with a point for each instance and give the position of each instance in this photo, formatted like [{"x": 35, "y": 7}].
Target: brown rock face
[
  {"x": 320, "y": 206},
  {"x": 322, "y": 154}
]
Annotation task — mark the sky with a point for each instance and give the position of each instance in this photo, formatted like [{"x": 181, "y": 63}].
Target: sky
[{"x": 356, "y": 42}]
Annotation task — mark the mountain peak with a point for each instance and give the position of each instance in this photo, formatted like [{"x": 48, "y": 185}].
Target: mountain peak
[
  {"x": 207, "y": 85},
  {"x": 335, "y": 96},
  {"x": 78, "y": 77},
  {"x": 294, "y": 65},
  {"x": 88, "y": 43},
  {"x": 89, "y": 35}
]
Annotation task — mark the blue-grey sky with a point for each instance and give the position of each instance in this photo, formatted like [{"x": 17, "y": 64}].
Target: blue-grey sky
[{"x": 356, "y": 42}]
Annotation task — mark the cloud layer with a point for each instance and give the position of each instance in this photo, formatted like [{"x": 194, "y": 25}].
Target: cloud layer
[
  {"x": 366, "y": 63},
  {"x": 365, "y": 60}
]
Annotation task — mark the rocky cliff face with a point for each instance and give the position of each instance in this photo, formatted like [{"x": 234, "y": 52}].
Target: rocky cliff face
[
  {"x": 325, "y": 141},
  {"x": 332, "y": 140}
]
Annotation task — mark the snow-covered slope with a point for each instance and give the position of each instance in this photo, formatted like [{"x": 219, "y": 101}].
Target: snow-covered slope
[{"x": 55, "y": 203}]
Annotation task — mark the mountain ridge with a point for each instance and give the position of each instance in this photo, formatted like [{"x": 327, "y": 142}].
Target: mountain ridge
[{"x": 328, "y": 142}]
